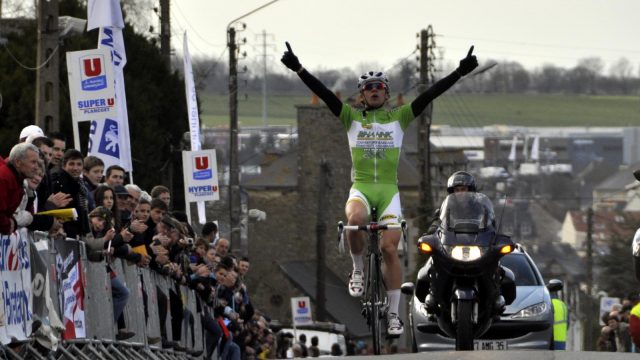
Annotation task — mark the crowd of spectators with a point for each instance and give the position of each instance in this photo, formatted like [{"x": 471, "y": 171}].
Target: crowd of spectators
[
  {"x": 119, "y": 220},
  {"x": 615, "y": 335}
]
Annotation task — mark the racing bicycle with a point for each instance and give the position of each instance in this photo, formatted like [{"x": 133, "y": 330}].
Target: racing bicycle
[{"x": 374, "y": 301}]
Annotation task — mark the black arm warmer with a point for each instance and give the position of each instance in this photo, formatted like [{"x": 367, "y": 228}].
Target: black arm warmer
[
  {"x": 420, "y": 103},
  {"x": 329, "y": 98}
]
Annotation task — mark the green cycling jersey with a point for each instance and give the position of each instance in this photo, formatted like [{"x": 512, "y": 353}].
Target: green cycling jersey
[{"x": 375, "y": 139}]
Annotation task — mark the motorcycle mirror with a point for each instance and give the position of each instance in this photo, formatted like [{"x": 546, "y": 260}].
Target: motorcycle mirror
[
  {"x": 407, "y": 288},
  {"x": 555, "y": 285}
]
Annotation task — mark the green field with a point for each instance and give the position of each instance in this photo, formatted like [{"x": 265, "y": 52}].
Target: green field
[{"x": 454, "y": 109}]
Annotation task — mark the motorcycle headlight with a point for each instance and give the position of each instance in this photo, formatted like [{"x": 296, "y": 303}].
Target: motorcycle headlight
[
  {"x": 466, "y": 253},
  {"x": 531, "y": 311}
]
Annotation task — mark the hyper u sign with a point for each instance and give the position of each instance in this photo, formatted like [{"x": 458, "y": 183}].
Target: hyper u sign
[{"x": 200, "y": 175}]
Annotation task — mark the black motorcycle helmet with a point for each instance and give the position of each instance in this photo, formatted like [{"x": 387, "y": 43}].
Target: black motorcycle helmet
[{"x": 461, "y": 178}]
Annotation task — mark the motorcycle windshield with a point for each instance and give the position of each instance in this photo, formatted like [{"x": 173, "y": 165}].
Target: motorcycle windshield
[{"x": 466, "y": 212}]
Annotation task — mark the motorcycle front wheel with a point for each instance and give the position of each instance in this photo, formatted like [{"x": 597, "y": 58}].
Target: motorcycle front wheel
[{"x": 464, "y": 327}]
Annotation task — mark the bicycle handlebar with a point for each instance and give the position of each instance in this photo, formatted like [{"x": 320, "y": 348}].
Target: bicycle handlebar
[
  {"x": 372, "y": 227},
  {"x": 369, "y": 228}
]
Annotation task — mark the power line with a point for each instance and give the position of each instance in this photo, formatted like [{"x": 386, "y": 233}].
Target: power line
[
  {"x": 55, "y": 50},
  {"x": 193, "y": 28},
  {"x": 557, "y": 46},
  {"x": 555, "y": 57}
]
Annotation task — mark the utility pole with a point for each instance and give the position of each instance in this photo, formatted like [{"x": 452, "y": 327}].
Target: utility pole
[
  {"x": 425, "y": 208},
  {"x": 234, "y": 176},
  {"x": 47, "y": 80},
  {"x": 234, "y": 173},
  {"x": 264, "y": 55},
  {"x": 589, "y": 306},
  {"x": 321, "y": 231},
  {"x": 165, "y": 31}
]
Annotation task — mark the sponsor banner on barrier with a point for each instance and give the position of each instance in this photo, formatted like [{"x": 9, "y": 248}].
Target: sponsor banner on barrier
[
  {"x": 69, "y": 270},
  {"x": 38, "y": 279},
  {"x": 301, "y": 311},
  {"x": 200, "y": 175},
  {"x": 16, "y": 312},
  {"x": 91, "y": 84}
]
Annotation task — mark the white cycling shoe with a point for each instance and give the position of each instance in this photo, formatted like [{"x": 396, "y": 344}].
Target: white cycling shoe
[
  {"x": 356, "y": 283},
  {"x": 395, "y": 326}
]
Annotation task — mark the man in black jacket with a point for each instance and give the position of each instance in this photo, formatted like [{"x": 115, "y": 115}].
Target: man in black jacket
[{"x": 67, "y": 180}]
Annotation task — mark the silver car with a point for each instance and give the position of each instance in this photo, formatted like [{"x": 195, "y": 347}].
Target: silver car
[{"x": 527, "y": 323}]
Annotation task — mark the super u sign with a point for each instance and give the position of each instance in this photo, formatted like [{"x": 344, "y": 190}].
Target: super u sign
[{"x": 93, "y": 75}]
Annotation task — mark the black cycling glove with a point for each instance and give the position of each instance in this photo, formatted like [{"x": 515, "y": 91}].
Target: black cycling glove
[
  {"x": 290, "y": 60},
  {"x": 467, "y": 64}
]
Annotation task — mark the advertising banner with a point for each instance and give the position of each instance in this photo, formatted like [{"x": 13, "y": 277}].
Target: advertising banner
[
  {"x": 91, "y": 84},
  {"x": 301, "y": 311},
  {"x": 70, "y": 274},
  {"x": 109, "y": 135},
  {"x": 200, "y": 175},
  {"x": 194, "y": 119},
  {"x": 16, "y": 312},
  {"x": 606, "y": 305}
]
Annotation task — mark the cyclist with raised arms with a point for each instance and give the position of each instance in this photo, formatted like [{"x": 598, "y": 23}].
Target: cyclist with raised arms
[{"x": 375, "y": 138}]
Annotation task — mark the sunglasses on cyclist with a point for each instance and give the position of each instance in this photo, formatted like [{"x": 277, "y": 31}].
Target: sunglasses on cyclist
[{"x": 374, "y": 85}]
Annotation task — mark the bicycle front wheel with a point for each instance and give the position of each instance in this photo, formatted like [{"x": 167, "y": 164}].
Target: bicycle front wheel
[{"x": 376, "y": 300}]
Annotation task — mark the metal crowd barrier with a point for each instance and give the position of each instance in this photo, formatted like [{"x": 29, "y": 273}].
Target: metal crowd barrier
[{"x": 90, "y": 333}]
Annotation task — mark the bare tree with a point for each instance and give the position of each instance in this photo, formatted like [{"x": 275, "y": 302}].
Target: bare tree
[
  {"x": 549, "y": 79},
  {"x": 592, "y": 64},
  {"x": 583, "y": 78},
  {"x": 519, "y": 79},
  {"x": 17, "y": 9},
  {"x": 139, "y": 14}
]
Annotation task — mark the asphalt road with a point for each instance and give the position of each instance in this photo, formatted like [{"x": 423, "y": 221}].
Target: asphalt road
[{"x": 506, "y": 355}]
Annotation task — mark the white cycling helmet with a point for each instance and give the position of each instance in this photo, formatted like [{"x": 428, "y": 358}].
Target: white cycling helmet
[{"x": 372, "y": 76}]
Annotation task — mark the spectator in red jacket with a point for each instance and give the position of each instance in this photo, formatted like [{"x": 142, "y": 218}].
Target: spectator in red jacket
[{"x": 22, "y": 164}]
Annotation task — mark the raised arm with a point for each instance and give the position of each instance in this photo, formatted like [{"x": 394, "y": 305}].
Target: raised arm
[
  {"x": 290, "y": 60},
  {"x": 466, "y": 66}
]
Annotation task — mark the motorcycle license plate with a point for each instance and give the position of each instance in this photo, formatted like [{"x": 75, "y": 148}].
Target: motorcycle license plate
[{"x": 490, "y": 345}]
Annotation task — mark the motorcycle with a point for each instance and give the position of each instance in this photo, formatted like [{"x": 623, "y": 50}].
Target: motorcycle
[{"x": 462, "y": 284}]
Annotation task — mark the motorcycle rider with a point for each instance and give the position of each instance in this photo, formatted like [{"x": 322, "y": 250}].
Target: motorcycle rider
[{"x": 460, "y": 181}]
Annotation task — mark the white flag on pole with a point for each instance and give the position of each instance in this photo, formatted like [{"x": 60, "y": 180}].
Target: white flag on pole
[
  {"x": 535, "y": 149},
  {"x": 512, "y": 153},
  {"x": 194, "y": 119},
  {"x": 107, "y": 15}
]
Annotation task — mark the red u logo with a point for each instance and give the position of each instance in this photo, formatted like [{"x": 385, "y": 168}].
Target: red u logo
[
  {"x": 301, "y": 304},
  {"x": 202, "y": 162},
  {"x": 92, "y": 67}
]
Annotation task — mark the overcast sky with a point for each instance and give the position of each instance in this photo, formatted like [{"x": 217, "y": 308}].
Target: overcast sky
[{"x": 331, "y": 34}]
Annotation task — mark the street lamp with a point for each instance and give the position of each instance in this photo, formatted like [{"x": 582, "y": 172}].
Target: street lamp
[
  {"x": 71, "y": 26},
  {"x": 234, "y": 174}
]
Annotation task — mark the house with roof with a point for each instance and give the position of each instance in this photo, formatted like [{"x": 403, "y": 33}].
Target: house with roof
[
  {"x": 613, "y": 192},
  {"x": 606, "y": 225}
]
